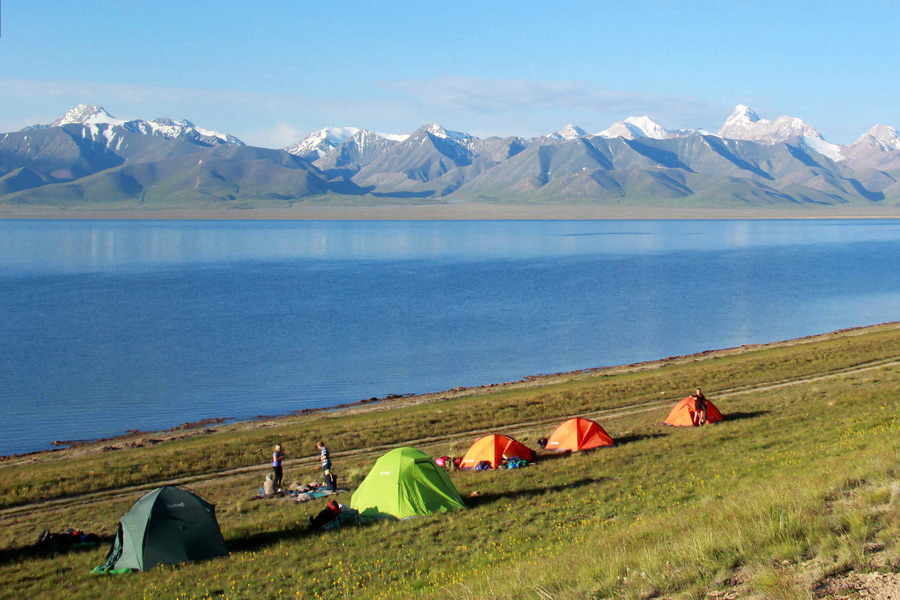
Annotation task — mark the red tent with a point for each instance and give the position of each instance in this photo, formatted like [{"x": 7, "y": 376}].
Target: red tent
[
  {"x": 578, "y": 434},
  {"x": 495, "y": 449},
  {"x": 685, "y": 413}
]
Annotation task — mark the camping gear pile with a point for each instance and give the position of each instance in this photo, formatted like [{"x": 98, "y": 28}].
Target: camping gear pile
[{"x": 71, "y": 538}]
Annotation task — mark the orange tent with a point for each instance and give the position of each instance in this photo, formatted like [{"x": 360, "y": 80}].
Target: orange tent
[
  {"x": 684, "y": 414},
  {"x": 495, "y": 448},
  {"x": 578, "y": 434}
]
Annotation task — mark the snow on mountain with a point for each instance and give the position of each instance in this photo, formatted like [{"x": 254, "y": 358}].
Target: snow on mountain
[
  {"x": 832, "y": 151},
  {"x": 169, "y": 128},
  {"x": 744, "y": 124},
  {"x": 322, "y": 142},
  {"x": 884, "y": 137},
  {"x": 393, "y": 137},
  {"x": 438, "y": 131},
  {"x": 103, "y": 125},
  {"x": 637, "y": 127},
  {"x": 569, "y": 132},
  {"x": 463, "y": 140},
  {"x": 741, "y": 123},
  {"x": 319, "y": 143},
  {"x": 86, "y": 114},
  {"x": 366, "y": 137}
]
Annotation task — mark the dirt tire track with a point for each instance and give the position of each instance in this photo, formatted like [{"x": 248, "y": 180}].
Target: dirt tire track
[{"x": 89, "y": 498}]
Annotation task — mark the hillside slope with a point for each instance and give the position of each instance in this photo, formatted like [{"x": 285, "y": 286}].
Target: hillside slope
[{"x": 793, "y": 487}]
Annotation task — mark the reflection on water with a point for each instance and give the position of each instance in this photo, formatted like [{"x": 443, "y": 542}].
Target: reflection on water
[
  {"x": 36, "y": 246},
  {"x": 114, "y": 325}
]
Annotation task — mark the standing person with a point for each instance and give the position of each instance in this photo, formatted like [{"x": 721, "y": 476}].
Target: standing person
[
  {"x": 699, "y": 406},
  {"x": 325, "y": 459},
  {"x": 277, "y": 458}
]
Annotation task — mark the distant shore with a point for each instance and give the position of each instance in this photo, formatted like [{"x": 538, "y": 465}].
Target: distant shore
[{"x": 451, "y": 211}]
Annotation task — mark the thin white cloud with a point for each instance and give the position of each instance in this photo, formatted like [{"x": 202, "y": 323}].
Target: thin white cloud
[
  {"x": 279, "y": 135},
  {"x": 497, "y": 97}
]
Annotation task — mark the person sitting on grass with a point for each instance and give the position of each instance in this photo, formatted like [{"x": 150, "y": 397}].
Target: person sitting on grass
[
  {"x": 700, "y": 413},
  {"x": 269, "y": 488},
  {"x": 327, "y": 515}
]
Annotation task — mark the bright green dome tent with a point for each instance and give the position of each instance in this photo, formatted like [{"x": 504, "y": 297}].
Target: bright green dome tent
[
  {"x": 403, "y": 483},
  {"x": 166, "y": 526}
]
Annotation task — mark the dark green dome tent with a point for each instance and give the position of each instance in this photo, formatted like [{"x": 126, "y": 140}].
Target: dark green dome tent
[
  {"x": 166, "y": 526},
  {"x": 403, "y": 483}
]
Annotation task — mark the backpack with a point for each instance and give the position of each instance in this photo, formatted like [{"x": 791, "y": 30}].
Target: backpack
[{"x": 483, "y": 466}]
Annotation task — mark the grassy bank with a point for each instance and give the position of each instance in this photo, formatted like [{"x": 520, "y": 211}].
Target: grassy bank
[{"x": 800, "y": 482}]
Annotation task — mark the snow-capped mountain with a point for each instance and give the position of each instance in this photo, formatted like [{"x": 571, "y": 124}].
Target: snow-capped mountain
[
  {"x": 95, "y": 118},
  {"x": 358, "y": 150},
  {"x": 569, "y": 132},
  {"x": 321, "y": 143},
  {"x": 637, "y": 127},
  {"x": 184, "y": 129},
  {"x": 744, "y": 124},
  {"x": 884, "y": 137},
  {"x": 87, "y": 154},
  {"x": 86, "y": 114},
  {"x": 438, "y": 131}
]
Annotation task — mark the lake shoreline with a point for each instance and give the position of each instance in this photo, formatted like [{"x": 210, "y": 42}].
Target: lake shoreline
[
  {"x": 139, "y": 438},
  {"x": 451, "y": 212}
]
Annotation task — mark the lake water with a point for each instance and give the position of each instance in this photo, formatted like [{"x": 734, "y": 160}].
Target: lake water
[{"x": 113, "y": 325}]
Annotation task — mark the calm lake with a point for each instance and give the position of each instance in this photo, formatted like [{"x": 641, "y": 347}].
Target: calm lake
[{"x": 114, "y": 325}]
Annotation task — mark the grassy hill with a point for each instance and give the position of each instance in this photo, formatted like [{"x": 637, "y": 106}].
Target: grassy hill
[{"x": 798, "y": 487}]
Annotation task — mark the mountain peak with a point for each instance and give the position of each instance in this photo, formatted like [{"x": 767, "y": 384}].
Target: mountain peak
[
  {"x": 321, "y": 142},
  {"x": 436, "y": 130},
  {"x": 744, "y": 124},
  {"x": 439, "y": 131},
  {"x": 86, "y": 114},
  {"x": 744, "y": 112},
  {"x": 885, "y": 136},
  {"x": 637, "y": 127},
  {"x": 166, "y": 121},
  {"x": 571, "y": 132}
]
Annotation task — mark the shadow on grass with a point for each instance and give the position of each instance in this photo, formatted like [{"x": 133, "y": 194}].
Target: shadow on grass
[
  {"x": 548, "y": 455},
  {"x": 737, "y": 416},
  {"x": 51, "y": 550},
  {"x": 258, "y": 541},
  {"x": 637, "y": 437},
  {"x": 619, "y": 441},
  {"x": 488, "y": 498}
]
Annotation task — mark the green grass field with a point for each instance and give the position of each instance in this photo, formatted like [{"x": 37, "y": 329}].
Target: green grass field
[{"x": 798, "y": 484}]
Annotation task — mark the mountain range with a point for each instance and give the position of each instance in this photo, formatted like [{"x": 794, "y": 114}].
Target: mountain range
[{"x": 89, "y": 159}]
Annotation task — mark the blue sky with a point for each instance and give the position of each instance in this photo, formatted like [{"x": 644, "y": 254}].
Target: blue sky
[{"x": 270, "y": 72}]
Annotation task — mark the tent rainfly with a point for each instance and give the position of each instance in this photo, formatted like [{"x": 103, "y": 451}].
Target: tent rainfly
[
  {"x": 405, "y": 482},
  {"x": 495, "y": 448},
  {"x": 685, "y": 413},
  {"x": 578, "y": 434},
  {"x": 166, "y": 526}
]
